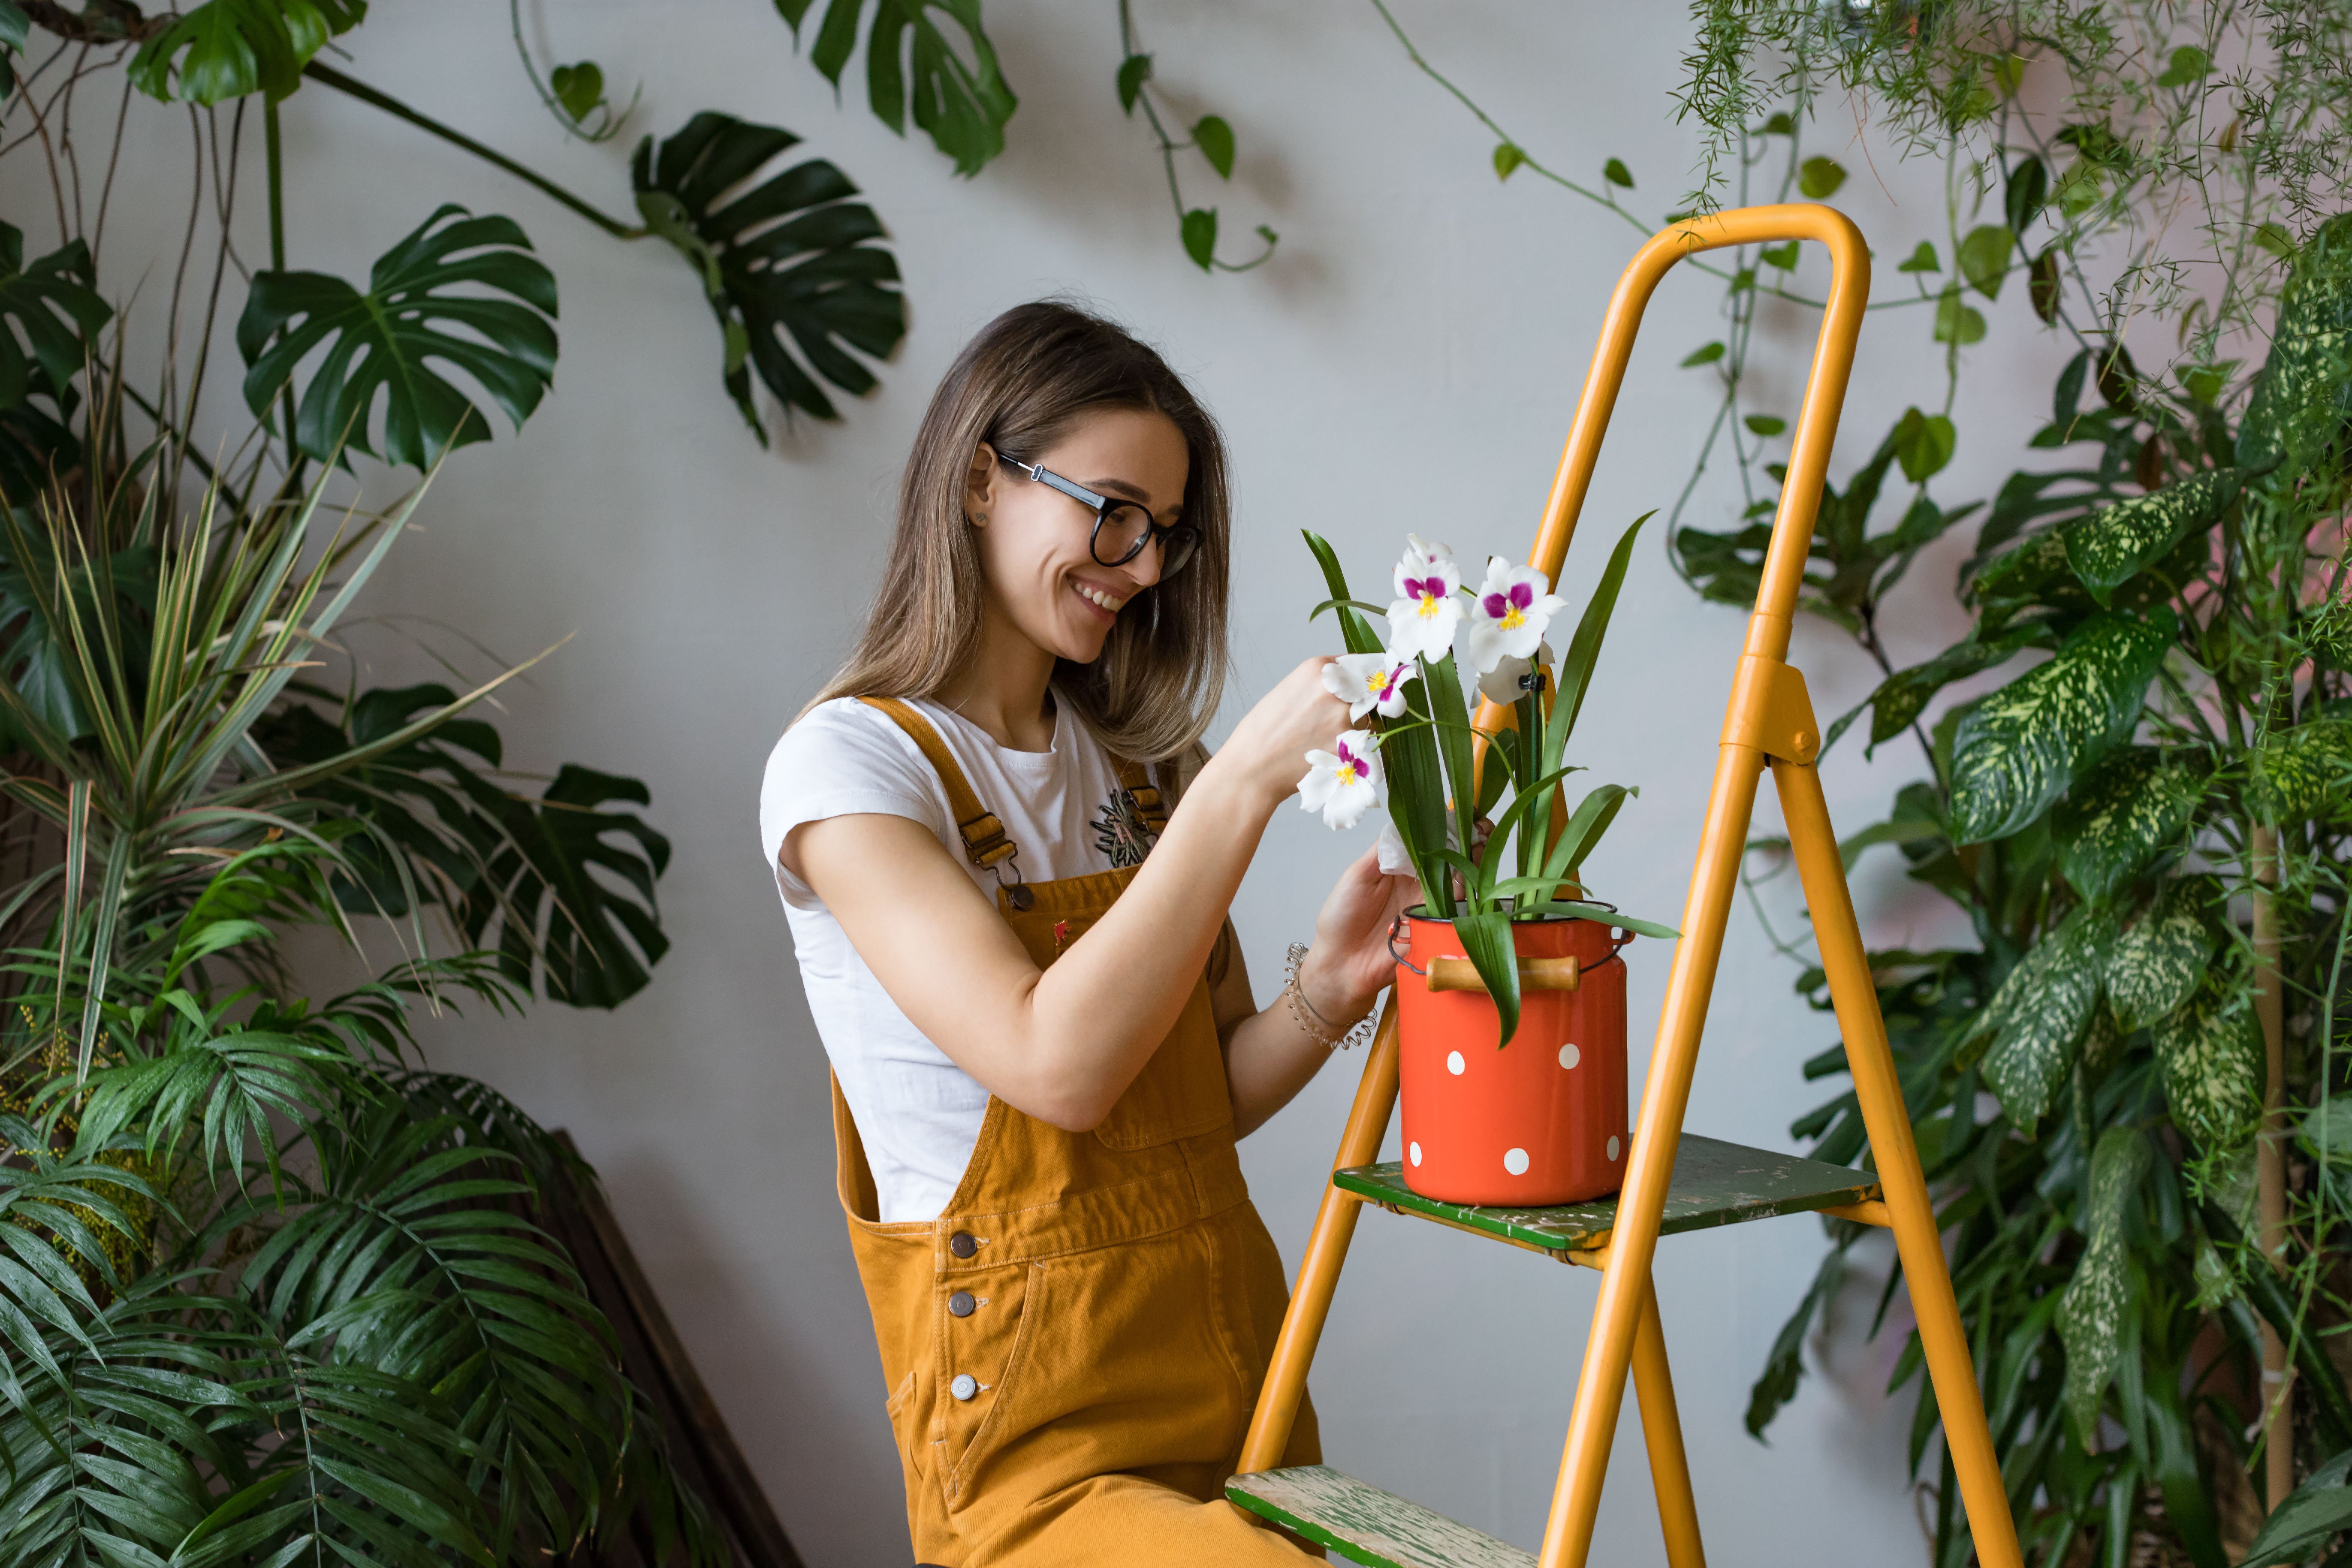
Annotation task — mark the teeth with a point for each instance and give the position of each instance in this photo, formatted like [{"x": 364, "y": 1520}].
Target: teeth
[{"x": 1096, "y": 597}]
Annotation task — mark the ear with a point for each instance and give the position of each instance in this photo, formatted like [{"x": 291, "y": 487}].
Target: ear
[{"x": 980, "y": 485}]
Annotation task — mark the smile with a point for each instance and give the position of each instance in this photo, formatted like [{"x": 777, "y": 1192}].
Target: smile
[{"x": 1100, "y": 599}]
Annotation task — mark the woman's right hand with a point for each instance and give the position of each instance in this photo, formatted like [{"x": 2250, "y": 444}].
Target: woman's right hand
[{"x": 1269, "y": 746}]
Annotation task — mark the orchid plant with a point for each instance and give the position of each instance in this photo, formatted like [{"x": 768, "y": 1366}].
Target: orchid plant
[{"x": 1419, "y": 755}]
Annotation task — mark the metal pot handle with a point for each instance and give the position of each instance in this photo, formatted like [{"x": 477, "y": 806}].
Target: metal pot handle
[{"x": 1395, "y": 926}]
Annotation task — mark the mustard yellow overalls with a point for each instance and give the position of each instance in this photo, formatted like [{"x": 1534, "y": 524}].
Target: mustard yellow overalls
[{"x": 1074, "y": 1345}]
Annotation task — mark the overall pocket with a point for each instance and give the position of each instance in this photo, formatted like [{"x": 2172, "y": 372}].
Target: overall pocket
[{"x": 983, "y": 1352}]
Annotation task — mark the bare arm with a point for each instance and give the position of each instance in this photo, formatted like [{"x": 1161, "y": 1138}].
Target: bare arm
[{"x": 1064, "y": 1043}]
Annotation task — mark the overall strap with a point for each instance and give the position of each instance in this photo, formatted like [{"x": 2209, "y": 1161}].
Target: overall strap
[
  {"x": 1143, "y": 793},
  {"x": 983, "y": 836}
]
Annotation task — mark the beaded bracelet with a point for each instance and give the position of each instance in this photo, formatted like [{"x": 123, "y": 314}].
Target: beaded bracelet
[{"x": 1310, "y": 1019}]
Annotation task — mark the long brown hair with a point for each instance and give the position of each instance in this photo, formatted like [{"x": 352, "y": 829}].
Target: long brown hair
[{"x": 1019, "y": 386}]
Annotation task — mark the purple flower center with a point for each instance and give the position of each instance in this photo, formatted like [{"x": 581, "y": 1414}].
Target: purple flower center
[
  {"x": 1499, "y": 606},
  {"x": 1423, "y": 587}
]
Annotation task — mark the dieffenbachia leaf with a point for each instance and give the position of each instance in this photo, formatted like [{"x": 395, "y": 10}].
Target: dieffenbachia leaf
[
  {"x": 385, "y": 340},
  {"x": 227, "y": 49},
  {"x": 2112, "y": 545},
  {"x": 52, "y": 307},
  {"x": 2156, "y": 962},
  {"x": 2016, "y": 751},
  {"x": 2209, "y": 1050},
  {"x": 2037, "y": 1018},
  {"x": 2090, "y": 1313},
  {"x": 2116, "y": 818},
  {"x": 2299, "y": 771},
  {"x": 961, "y": 106},
  {"x": 2305, "y": 386},
  {"x": 1902, "y": 697},
  {"x": 785, "y": 264}
]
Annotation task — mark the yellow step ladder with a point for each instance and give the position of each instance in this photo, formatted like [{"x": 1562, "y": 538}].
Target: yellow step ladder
[{"x": 1672, "y": 1183}]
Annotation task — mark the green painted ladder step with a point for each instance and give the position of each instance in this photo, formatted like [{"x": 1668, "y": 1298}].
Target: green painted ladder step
[
  {"x": 1715, "y": 1183},
  {"x": 1367, "y": 1525}
]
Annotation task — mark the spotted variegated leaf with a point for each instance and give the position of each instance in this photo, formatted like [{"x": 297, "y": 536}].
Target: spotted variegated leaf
[
  {"x": 2103, "y": 1044},
  {"x": 2112, "y": 545},
  {"x": 2091, "y": 1312},
  {"x": 2156, "y": 962},
  {"x": 2209, "y": 1050},
  {"x": 1902, "y": 697},
  {"x": 2116, "y": 818},
  {"x": 2305, "y": 771},
  {"x": 2017, "y": 750},
  {"x": 2305, "y": 385},
  {"x": 2040, "y": 1015}
]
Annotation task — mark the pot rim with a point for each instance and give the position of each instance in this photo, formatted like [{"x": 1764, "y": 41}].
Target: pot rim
[{"x": 1420, "y": 913}]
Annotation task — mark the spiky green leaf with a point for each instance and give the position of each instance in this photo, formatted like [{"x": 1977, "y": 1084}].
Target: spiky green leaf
[
  {"x": 2017, "y": 750},
  {"x": 2156, "y": 962},
  {"x": 2091, "y": 1312},
  {"x": 2209, "y": 1050},
  {"x": 2116, "y": 818},
  {"x": 2115, "y": 544}
]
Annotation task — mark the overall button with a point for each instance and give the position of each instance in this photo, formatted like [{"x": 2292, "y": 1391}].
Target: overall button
[
  {"x": 961, "y": 1303},
  {"x": 964, "y": 1386},
  {"x": 962, "y": 1245}
]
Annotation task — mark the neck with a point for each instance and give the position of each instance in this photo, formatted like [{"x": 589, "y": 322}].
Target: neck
[{"x": 1004, "y": 688}]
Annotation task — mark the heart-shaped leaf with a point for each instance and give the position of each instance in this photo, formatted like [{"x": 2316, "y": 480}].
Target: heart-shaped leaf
[
  {"x": 1214, "y": 138},
  {"x": 784, "y": 262},
  {"x": 387, "y": 338},
  {"x": 961, "y": 105},
  {"x": 227, "y": 49}
]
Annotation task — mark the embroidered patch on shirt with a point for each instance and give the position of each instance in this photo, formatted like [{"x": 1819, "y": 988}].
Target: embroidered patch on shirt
[{"x": 1120, "y": 832}]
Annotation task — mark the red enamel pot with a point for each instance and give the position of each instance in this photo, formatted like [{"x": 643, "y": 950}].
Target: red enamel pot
[{"x": 1541, "y": 1120}]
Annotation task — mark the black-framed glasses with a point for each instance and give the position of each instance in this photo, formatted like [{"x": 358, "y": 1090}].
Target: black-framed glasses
[{"x": 1122, "y": 527}]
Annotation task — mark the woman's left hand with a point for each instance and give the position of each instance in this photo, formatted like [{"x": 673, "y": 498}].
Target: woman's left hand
[{"x": 1350, "y": 963}]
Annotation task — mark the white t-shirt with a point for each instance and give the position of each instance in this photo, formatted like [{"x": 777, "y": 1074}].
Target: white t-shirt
[{"x": 917, "y": 1113}]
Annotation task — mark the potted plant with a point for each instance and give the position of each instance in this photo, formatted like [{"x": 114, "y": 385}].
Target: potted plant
[{"x": 1506, "y": 949}]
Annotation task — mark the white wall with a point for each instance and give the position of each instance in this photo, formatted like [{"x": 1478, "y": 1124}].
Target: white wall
[{"x": 1409, "y": 360}]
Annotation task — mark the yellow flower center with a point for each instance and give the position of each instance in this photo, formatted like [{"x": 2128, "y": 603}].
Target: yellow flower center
[
  {"x": 1376, "y": 681},
  {"x": 1347, "y": 774},
  {"x": 1512, "y": 620},
  {"x": 1429, "y": 602}
]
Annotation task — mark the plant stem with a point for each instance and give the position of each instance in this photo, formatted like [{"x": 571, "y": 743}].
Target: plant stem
[
  {"x": 275, "y": 161},
  {"x": 332, "y": 77},
  {"x": 2270, "y": 1161}
]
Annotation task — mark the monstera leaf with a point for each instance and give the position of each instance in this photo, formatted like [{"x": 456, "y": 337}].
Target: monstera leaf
[
  {"x": 227, "y": 49},
  {"x": 592, "y": 938},
  {"x": 52, "y": 307},
  {"x": 962, "y": 108},
  {"x": 783, "y": 261},
  {"x": 387, "y": 338}
]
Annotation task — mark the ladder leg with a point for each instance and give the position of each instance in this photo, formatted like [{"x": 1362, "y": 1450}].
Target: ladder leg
[
  {"x": 1916, "y": 1236},
  {"x": 1661, "y": 1432},
  {"x": 1650, "y": 1166},
  {"x": 1326, "y": 1250}
]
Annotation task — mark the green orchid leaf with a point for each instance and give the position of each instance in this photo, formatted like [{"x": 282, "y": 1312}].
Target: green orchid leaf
[
  {"x": 1584, "y": 648},
  {"x": 2210, "y": 1051},
  {"x": 1984, "y": 258},
  {"x": 2116, "y": 818},
  {"x": 2038, "y": 1017},
  {"x": 2300, "y": 399},
  {"x": 2017, "y": 750},
  {"x": 788, "y": 266},
  {"x": 2304, "y": 772},
  {"x": 961, "y": 102},
  {"x": 1487, "y": 942},
  {"x": 227, "y": 49},
  {"x": 386, "y": 340},
  {"x": 2116, "y": 543},
  {"x": 2157, "y": 960},
  {"x": 2091, "y": 1312},
  {"x": 53, "y": 307}
]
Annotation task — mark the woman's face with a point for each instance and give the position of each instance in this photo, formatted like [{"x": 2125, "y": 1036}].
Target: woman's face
[{"x": 1034, "y": 540}]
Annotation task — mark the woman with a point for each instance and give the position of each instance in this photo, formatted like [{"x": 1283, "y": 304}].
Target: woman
[{"x": 1044, "y": 1042}]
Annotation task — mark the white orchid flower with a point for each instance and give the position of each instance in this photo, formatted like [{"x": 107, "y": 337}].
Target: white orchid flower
[
  {"x": 1428, "y": 606},
  {"x": 1510, "y": 614},
  {"x": 1501, "y": 684},
  {"x": 1365, "y": 681},
  {"x": 1345, "y": 787}
]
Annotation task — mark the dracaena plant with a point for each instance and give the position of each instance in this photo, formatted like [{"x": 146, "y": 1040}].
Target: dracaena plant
[
  {"x": 1420, "y": 756},
  {"x": 269, "y": 1291}
]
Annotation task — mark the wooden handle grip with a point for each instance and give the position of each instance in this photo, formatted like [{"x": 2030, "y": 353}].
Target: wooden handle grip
[{"x": 1534, "y": 974}]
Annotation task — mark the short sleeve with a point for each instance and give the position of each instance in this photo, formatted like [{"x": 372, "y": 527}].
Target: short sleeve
[{"x": 842, "y": 759}]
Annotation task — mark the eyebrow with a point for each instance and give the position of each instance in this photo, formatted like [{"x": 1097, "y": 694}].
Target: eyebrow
[{"x": 1121, "y": 487}]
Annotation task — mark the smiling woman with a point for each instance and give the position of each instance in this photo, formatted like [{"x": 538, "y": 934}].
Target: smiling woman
[{"x": 1044, "y": 1042}]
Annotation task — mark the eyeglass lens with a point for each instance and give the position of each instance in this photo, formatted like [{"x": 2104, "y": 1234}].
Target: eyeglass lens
[{"x": 1125, "y": 529}]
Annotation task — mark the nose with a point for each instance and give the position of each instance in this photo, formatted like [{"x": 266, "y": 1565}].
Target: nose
[{"x": 1143, "y": 568}]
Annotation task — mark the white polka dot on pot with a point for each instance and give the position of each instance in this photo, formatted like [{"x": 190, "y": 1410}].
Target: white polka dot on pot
[
  {"x": 1455, "y": 1064},
  {"x": 1516, "y": 1162},
  {"x": 1614, "y": 1146},
  {"x": 1415, "y": 1151},
  {"x": 1570, "y": 1055}
]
